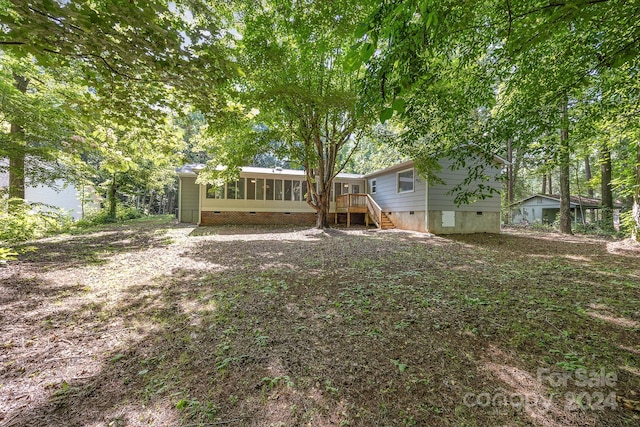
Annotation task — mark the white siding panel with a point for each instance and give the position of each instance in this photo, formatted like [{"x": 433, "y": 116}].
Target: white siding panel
[{"x": 65, "y": 198}]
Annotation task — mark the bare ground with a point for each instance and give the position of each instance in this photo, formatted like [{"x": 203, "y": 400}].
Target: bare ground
[{"x": 153, "y": 323}]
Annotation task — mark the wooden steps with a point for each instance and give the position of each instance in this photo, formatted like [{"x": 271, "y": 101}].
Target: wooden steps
[
  {"x": 386, "y": 222},
  {"x": 362, "y": 203}
]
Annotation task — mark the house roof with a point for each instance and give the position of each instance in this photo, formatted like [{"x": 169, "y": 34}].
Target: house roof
[
  {"x": 188, "y": 170},
  {"x": 191, "y": 170},
  {"x": 576, "y": 201},
  {"x": 409, "y": 163},
  {"x": 399, "y": 166}
]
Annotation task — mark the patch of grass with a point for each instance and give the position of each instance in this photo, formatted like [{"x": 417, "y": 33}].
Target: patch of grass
[{"x": 382, "y": 329}]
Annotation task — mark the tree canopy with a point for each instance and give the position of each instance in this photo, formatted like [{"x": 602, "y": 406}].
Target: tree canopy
[{"x": 548, "y": 85}]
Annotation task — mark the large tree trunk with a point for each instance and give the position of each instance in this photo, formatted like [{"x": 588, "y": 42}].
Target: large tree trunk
[
  {"x": 17, "y": 153},
  {"x": 544, "y": 183},
  {"x": 565, "y": 160},
  {"x": 607, "y": 194},
  {"x": 322, "y": 210},
  {"x": 550, "y": 181},
  {"x": 320, "y": 178}
]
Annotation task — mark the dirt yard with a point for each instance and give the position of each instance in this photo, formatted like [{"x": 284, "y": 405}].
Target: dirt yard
[{"x": 157, "y": 324}]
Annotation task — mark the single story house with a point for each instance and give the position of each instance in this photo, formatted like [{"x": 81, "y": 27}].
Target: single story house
[
  {"x": 544, "y": 208},
  {"x": 394, "y": 197}
]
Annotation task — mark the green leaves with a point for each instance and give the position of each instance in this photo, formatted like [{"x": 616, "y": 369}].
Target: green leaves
[
  {"x": 361, "y": 30},
  {"x": 398, "y": 105},
  {"x": 367, "y": 51},
  {"x": 386, "y": 114}
]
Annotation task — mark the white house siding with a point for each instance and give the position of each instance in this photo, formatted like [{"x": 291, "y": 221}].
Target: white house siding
[
  {"x": 244, "y": 205},
  {"x": 67, "y": 198},
  {"x": 189, "y": 201},
  {"x": 247, "y": 205},
  {"x": 259, "y": 210},
  {"x": 60, "y": 195}
]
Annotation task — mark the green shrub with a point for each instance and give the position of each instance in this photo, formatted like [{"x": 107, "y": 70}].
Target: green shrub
[
  {"x": 123, "y": 213},
  {"x": 627, "y": 223},
  {"x": 29, "y": 221}
]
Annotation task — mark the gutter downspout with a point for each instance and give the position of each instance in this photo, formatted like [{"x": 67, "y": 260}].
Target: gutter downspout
[
  {"x": 426, "y": 206},
  {"x": 200, "y": 203},
  {"x": 179, "y": 199}
]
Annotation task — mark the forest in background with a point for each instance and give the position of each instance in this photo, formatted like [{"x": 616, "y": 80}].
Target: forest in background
[{"x": 118, "y": 94}]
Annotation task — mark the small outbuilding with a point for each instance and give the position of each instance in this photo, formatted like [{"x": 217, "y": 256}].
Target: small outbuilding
[{"x": 544, "y": 208}]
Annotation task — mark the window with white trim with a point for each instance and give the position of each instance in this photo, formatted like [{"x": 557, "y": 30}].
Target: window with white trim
[
  {"x": 374, "y": 186},
  {"x": 405, "y": 181}
]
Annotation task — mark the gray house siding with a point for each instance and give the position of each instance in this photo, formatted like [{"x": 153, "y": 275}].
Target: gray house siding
[
  {"x": 445, "y": 217},
  {"x": 388, "y": 198},
  {"x": 434, "y": 209},
  {"x": 536, "y": 210},
  {"x": 189, "y": 200},
  {"x": 439, "y": 200},
  {"x": 406, "y": 209}
]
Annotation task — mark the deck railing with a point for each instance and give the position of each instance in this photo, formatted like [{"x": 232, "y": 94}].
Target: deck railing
[
  {"x": 364, "y": 203},
  {"x": 375, "y": 212},
  {"x": 351, "y": 201}
]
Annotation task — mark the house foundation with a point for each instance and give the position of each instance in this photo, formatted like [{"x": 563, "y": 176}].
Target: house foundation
[{"x": 257, "y": 218}]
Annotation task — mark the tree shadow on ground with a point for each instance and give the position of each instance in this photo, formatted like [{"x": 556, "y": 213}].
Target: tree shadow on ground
[
  {"x": 322, "y": 329},
  {"x": 93, "y": 249},
  {"x": 550, "y": 244}
]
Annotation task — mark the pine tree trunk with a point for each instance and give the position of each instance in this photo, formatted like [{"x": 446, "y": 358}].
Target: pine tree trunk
[
  {"x": 544, "y": 184},
  {"x": 17, "y": 153},
  {"x": 607, "y": 194},
  {"x": 565, "y": 163},
  {"x": 550, "y": 191}
]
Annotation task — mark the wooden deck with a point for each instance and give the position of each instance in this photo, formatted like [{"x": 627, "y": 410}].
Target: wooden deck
[{"x": 362, "y": 203}]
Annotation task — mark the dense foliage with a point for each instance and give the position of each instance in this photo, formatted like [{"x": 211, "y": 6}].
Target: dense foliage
[{"x": 117, "y": 93}]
